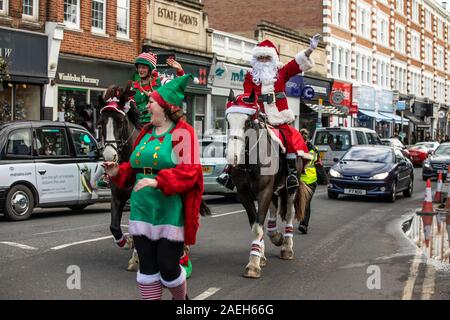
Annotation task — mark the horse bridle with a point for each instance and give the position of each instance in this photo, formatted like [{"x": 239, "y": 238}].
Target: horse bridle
[{"x": 116, "y": 144}]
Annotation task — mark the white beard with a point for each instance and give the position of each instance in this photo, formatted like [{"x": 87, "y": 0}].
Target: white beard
[{"x": 264, "y": 73}]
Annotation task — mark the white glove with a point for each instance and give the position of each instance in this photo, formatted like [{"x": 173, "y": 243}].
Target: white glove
[{"x": 314, "y": 41}]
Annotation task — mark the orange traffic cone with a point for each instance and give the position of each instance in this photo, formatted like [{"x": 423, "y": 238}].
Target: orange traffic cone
[
  {"x": 427, "y": 213},
  {"x": 438, "y": 194}
]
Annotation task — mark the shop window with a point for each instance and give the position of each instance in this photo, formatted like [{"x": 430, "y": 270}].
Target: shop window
[
  {"x": 19, "y": 143},
  {"x": 6, "y": 95},
  {"x": 218, "y": 114},
  {"x": 27, "y": 102},
  {"x": 200, "y": 106},
  {"x": 51, "y": 142},
  {"x": 71, "y": 101}
]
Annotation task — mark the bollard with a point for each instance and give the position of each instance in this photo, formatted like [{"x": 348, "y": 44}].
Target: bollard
[
  {"x": 427, "y": 213},
  {"x": 438, "y": 195}
]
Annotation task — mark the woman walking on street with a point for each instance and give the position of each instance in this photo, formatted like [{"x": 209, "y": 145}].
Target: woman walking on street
[{"x": 167, "y": 195}]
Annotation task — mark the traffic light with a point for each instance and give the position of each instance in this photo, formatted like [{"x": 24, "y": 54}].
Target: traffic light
[{"x": 87, "y": 115}]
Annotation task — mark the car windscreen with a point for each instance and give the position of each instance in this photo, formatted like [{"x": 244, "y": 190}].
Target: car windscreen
[
  {"x": 213, "y": 149},
  {"x": 337, "y": 140},
  {"x": 380, "y": 155},
  {"x": 443, "y": 150}
]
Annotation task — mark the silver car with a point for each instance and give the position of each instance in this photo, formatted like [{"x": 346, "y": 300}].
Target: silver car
[{"x": 213, "y": 163}]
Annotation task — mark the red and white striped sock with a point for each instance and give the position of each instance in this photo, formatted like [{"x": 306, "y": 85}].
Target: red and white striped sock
[
  {"x": 179, "y": 293},
  {"x": 151, "y": 291}
]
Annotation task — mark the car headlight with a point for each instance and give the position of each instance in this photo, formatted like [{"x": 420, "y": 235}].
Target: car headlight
[
  {"x": 335, "y": 174},
  {"x": 380, "y": 176}
]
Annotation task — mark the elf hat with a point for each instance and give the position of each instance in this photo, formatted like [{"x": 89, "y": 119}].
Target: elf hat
[
  {"x": 148, "y": 59},
  {"x": 172, "y": 93}
]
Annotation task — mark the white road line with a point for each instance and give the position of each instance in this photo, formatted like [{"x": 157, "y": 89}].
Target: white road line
[
  {"x": 206, "y": 294},
  {"x": 80, "y": 242},
  {"x": 18, "y": 245},
  {"x": 214, "y": 215},
  {"x": 62, "y": 230},
  {"x": 428, "y": 283}
]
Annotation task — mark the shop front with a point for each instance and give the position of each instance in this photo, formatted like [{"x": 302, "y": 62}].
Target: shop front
[
  {"x": 420, "y": 116},
  {"x": 341, "y": 98},
  {"x": 365, "y": 98},
  {"x": 22, "y": 92},
  {"x": 81, "y": 80},
  {"x": 196, "y": 94},
  {"x": 225, "y": 77}
]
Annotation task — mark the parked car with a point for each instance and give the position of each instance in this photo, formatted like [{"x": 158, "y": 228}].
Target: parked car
[
  {"x": 395, "y": 143},
  {"x": 372, "y": 171},
  {"x": 429, "y": 145},
  {"x": 335, "y": 142},
  {"x": 420, "y": 151},
  {"x": 437, "y": 162},
  {"x": 46, "y": 164},
  {"x": 213, "y": 160}
]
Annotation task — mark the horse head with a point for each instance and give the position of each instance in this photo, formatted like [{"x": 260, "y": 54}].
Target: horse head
[
  {"x": 118, "y": 121},
  {"x": 239, "y": 112}
]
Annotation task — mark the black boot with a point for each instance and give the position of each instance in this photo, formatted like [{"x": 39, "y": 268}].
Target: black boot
[
  {"x": 225, "y": 180},
  {"x": 292, "y": 179}
]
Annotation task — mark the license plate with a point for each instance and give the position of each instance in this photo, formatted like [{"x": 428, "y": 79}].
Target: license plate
[
  {"x": 358, "y": 192},
  {"x": 207, "y": 169}
]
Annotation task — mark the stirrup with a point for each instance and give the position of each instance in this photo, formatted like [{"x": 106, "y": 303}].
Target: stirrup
[
  {"x": 292, "y": 184},
  {"x": 225, "y": 180}
]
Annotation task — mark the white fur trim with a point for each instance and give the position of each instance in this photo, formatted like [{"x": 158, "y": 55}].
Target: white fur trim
[
  {"x": 236, "y": 109},
  {"x": 264, "y": 51},
  {"x": 291, "y": 156},
  {"x": 177, "y": 282},
  {"x": 304, "y": 155},
  {"x": 114, "y": 99},
  {"x": 268, "y": 88},
  {"x": 278, "y": 117},
  {"x": 274, "y": 137},
  {"x": 147, "y": 279},
  {"x": 303, "y": 61}
]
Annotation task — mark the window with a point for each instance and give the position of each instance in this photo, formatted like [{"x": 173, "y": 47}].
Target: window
[
  {"x": 415, "y": 11},
  {"x": 72, "y": 13},
  {"x": 360, "y": 137},
  {"x": 440, "y": 29},
  {"x": 400, "y": 38},
  {"x": 429, "y": 52},
  {"x": 84, "y": 143},
  {"x": 363, "y": 20},
  {"x": 123, "y": 18},
  {"x": 340, "y": 63},
  {"x": 428, "y": 23},
  {"x": 357, "y": 67},
  {"x": 30, "y": 9},
  {"x": 51, "y": 142},
  {"x": 399, "y": 5},
  {"x": 415, "y": 45},
  {"x": 382, "y": 30},
  {"x": 98, "y": 16},
  {"x": 19, "y": 143},
  {"x": 440, "y": 58},
  {"x": 4, "y": 7},
  {"x": 340, "y": 13},
  {"x": 338, "y": 140},
  {"x": 373, "y": 138}
]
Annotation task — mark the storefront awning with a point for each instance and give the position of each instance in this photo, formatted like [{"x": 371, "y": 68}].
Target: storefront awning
[
  {"x": 325, "y": 109},
  {"x": 417, "y": 122},
  {"x": 395, "y": 117},
  {"x": 377, "y": 116}
]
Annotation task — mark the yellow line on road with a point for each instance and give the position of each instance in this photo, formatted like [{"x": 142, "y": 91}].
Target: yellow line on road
[
  {"x": 428, "y": 283},
  {"x": 414, "y": 270}
]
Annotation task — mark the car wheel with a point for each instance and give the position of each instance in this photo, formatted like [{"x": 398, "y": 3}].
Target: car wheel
[
  {"x": 408, "y": 192},
  {"x": 77, "y": 207},
  {"x": 19, "y": 203},
  {"x": 393, "y": 196},
  {"x": 332, "y": 195}
]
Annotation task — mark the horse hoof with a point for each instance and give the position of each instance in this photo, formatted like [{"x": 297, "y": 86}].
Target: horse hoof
[
  {"x": 252, "y": 273},
  {"x": 277, "y": 239},
  {"x": 133, "y": 267},
  {"x": 286, "y": 255},
  {"x": 263, "y": 262}
]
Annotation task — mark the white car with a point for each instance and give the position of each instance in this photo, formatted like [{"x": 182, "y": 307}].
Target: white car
[{"x": 46, "y": 164}]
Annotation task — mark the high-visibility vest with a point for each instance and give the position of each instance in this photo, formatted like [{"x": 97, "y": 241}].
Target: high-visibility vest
[{"x": 310, "y": 175}]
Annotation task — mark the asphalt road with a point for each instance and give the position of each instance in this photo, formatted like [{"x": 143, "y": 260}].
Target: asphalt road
[{"x": 355, "y": 249}]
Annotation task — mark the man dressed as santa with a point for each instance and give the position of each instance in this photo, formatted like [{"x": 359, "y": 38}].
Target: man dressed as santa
[{"x": 267, "y": 79}]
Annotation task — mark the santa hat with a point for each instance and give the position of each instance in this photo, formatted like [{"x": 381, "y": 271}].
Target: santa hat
[
  {"x": 147, "y": 59},
  {"x": 172, "y": 93},
  {"x": 264, "y": 49}
]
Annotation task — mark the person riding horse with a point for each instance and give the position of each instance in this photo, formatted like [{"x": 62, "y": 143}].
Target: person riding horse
[{"x": 268, "y": 79}]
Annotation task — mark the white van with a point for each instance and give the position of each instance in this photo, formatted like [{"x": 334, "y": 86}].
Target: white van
[
  {"x": 46, "y": 164},
  {"x": 336, "y": 141}
]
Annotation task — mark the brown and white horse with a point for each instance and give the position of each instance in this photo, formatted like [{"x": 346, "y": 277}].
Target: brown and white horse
[{"x": 259, "y": 171}]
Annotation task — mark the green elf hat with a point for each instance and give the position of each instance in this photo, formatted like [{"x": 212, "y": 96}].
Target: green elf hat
[{"x": 172, "y": 93}]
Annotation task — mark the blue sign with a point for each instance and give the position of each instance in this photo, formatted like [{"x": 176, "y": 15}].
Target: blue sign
[
  {"x": 401, "y": 105},
  {"x": 366, "y": 98},
  {"x": 384, "y": 99},
  {"x": 308, "y": 93},
  {"x": 294, "y": 86}
]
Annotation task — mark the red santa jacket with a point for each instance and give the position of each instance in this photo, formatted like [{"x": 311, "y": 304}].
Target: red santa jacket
[
  {"x": 185, "y": 179},
  {"x": 281, "y": 114}
]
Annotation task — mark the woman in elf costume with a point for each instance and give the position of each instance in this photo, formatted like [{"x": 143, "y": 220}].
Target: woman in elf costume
[
  {"x": 149, "y": 81},
  {"x": 166, "y": 200}
]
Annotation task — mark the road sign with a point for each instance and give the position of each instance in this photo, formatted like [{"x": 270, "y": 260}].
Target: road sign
[
  {"x": 308, "y": 92},
  {"x": 401, "y": 105}
]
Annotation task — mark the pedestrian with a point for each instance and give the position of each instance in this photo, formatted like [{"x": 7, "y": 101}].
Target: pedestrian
[
  {"x": 149, "y": 80},
  {"x": 309, "y": 177},
  {"x": 267, "y": 80},
  {"x": 167, "y": 176}
]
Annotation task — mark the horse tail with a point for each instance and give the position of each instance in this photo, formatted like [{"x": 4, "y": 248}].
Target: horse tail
[
  {"x": 204, "y": 209},
  {"x": 302, "y": 198}
]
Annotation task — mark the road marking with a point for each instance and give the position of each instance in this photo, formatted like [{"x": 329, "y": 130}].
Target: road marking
[
  {"x": 413, "y": 271},
  {"x": 18, "y": 245},
  {"x": 214, "y": 215},
  {"x": 206, "y": 294},
  {"x": 80, "y": 242},
  {"x": 428, "y": 283},
  {"x": 62, "y": 230}
]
